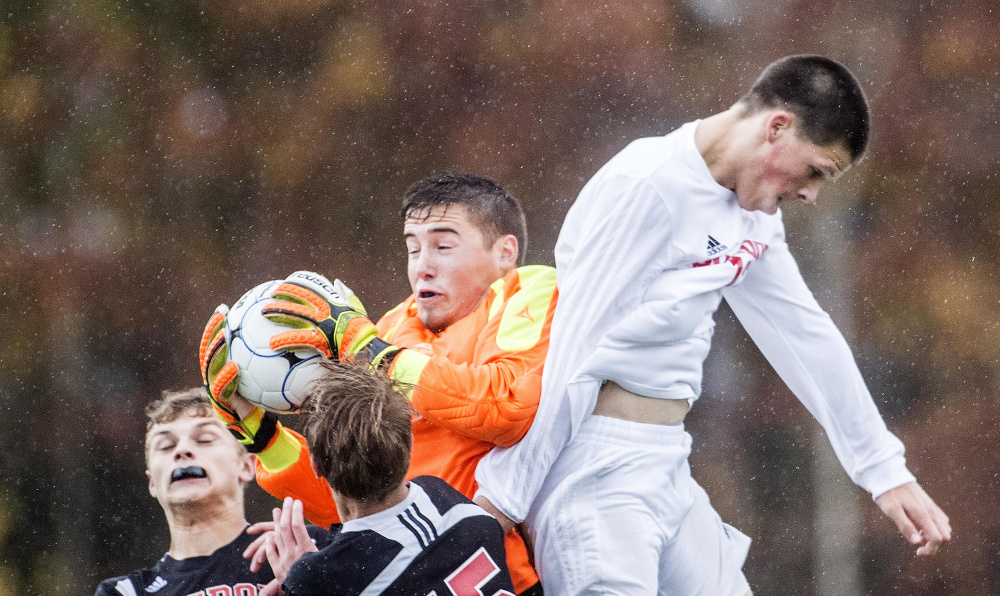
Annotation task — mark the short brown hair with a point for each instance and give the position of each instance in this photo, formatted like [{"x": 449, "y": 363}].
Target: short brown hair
[
  {"x": 823, "y": 95},
  {"x": 359, "y": 431},
  {"x": 174, "y": 404},
  {"x": 493, "y": 210}
]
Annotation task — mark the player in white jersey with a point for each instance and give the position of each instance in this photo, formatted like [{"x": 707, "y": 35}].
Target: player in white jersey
[{"x": 656, "y": 239}]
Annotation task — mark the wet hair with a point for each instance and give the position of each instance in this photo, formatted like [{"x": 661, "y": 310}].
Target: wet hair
[
  {"x": 359, "y": 431},
  {"x": 824, "y": 96},
  {"x": 493, "y": 210},
  {"x": 174, "y": 404}
]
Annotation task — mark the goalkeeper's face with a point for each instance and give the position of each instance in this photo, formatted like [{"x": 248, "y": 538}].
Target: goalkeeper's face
[
  {"x": 451, "y": 264},
  {"x": 194, "y": 459}
]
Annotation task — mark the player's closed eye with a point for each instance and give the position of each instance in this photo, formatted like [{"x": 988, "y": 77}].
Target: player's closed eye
[
  {"x": 207, "y": 436},
  {"x": 165, "y": 445},
  {"x": 815, "y": 173}
]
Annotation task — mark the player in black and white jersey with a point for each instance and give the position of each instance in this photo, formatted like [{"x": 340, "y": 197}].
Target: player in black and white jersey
[
  {"x": 197, "y": 471},
  {"x": 398, "y": 538}
]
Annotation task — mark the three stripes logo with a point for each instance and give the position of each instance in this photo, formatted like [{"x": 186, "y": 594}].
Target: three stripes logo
[
  {"x": 714, "y": 246},
  {"x": 418, "y": 524},
  {"x": 157, "y": 584}
]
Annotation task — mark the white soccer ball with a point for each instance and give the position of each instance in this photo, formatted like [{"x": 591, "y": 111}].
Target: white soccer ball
[{"x": 274, "y": 380}]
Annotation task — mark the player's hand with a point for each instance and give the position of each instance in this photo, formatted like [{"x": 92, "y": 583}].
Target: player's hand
[
  {"x": 255, "y": 552},
  {"x": 505, "y": 522},
  {"x": 289, "y": 540},
  {"x": 251, "y": 425},
  {"x": 273, "y": 588},
  {"x": 918, "y": 518},
  {"x": 219, "y": 374},
  {"x": 326, "y": 316}
]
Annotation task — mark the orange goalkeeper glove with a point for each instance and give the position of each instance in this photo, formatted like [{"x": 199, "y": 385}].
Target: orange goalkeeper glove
[
  {"x": 257, "y": 429},
  {"x": 327, "y": 316},
  {"x": 219, "y": 374}
]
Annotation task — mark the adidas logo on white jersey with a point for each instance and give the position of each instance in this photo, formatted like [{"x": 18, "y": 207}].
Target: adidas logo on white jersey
[
  {"x": 715, "y": 247},
  {"x": 158, "y": 583}
]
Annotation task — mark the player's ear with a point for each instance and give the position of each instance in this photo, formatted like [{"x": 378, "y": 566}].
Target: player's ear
[
  {"x": 248, "y": 463},
  {"x": 312, "y": 462},
  {"x": 778, "y": 123},
  {"x": 505, "y": 252},
  {"x": 152, "y": 486}
]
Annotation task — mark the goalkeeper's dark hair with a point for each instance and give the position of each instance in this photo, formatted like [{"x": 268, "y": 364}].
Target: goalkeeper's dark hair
[
  {"x": 174, "y": 404},
  {"x": 358, "y": 425},
  {"x": 493, "y": 210},
  {"x": 824, "y": 96}
]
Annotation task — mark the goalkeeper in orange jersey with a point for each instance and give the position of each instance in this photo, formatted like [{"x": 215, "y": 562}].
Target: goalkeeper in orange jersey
[{"x": 471, "y": 340}]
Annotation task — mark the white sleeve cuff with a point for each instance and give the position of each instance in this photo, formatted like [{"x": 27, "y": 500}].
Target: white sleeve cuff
[{"x": 885, "y": 476}]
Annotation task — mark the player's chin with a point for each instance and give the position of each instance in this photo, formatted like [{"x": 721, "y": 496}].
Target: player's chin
[
  {"x": 190, "y": 485},
  {"x": 433, "y": 318},
  {"x": 190, "y": 491}
]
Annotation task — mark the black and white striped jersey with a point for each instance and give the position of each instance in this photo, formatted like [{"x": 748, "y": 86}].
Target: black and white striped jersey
[
  {"x": 436, "y": 542},
  {"x": 222, "y": 573}
]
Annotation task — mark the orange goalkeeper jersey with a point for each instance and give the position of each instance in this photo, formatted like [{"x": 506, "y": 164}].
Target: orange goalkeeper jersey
[{"x": 477, "y": 385}]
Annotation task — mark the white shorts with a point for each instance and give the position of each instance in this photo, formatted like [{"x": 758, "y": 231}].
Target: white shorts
[{"x": 620, "y": 514}]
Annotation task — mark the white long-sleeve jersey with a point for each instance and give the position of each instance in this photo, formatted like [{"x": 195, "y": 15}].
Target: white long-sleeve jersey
[{"x": 643, "y": 260}]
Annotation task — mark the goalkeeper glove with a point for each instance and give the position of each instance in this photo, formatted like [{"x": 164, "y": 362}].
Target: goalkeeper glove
[
  {"x": 326, "y": 316},
  {"x": 256, "y": 430},
  {"x": 219, "y": 374}
]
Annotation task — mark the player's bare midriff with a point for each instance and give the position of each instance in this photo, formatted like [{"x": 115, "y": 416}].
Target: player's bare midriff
[{"x": 617, "y": 402}]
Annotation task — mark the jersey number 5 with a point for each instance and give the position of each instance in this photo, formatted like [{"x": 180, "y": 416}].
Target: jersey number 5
[{"x": 472, "y": 575}]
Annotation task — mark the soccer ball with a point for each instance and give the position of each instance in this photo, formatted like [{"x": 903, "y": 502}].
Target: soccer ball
[{"x": 275, "y": 380}]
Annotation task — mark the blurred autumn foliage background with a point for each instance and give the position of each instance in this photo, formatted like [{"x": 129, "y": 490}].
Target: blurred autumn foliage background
[{"x": 158, "y": 157}]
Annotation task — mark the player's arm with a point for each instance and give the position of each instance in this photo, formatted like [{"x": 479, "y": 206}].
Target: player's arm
[
  {"x": 496, "y": 400},
  {"x": 809, "y": 353},
  {"x": 299, "y": 481}
]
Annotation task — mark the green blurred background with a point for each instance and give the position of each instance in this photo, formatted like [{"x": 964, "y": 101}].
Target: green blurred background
[{"x": 159, "y": 157}]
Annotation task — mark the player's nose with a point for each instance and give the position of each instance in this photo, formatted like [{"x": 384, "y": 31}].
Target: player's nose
[
  {"x": 425, "y": 265},
  {"x": 809, "y": 193},
  {"x": 183, "y": 450}
]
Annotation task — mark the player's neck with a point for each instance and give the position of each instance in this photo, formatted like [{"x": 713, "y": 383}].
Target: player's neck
[
  {"x": 721, "y": 140},
  {"x": 351, "y": 509},
  {"x": 197, "y": 531}
]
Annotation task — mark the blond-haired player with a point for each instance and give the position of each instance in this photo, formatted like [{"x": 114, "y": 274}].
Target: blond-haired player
[{"x": 197, "y": 471}]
